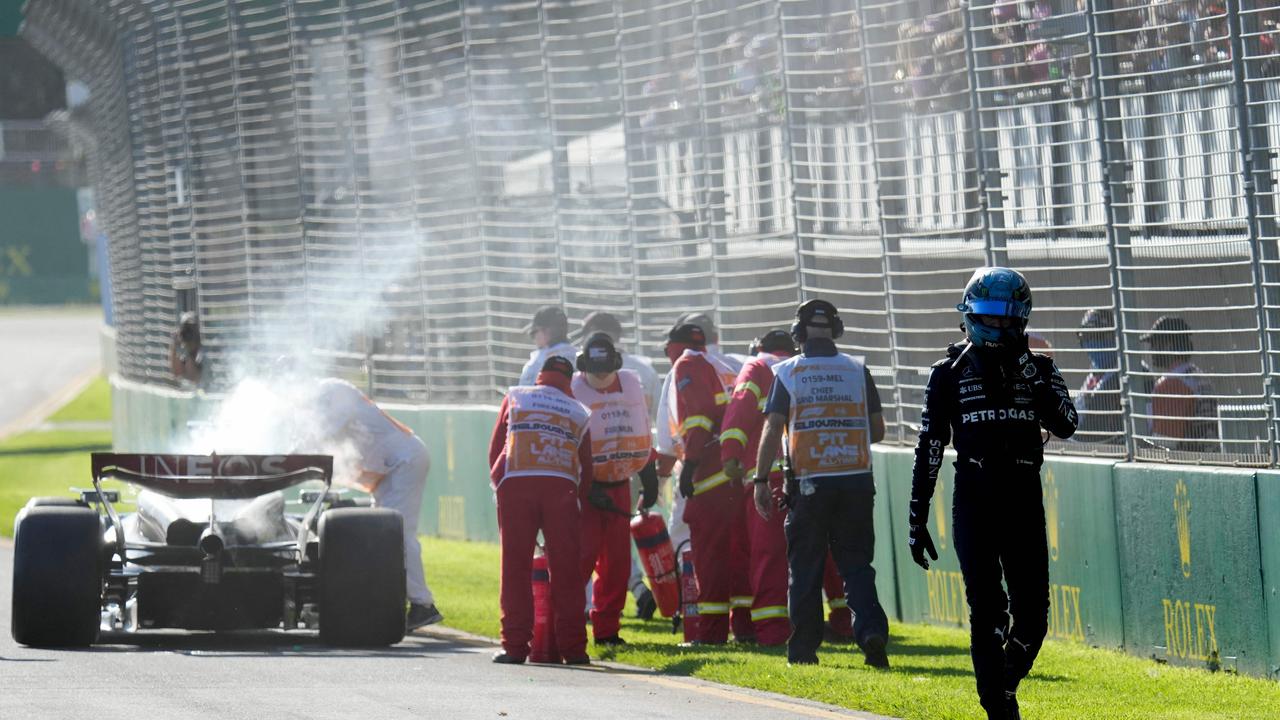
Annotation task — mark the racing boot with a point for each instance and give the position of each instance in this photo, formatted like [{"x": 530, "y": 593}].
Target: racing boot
[
  {"x": 421, "y": 616},
  {"x": 580, "y": 660},
  {"x": 874, "y": 649},
  {"x": 1011, "y": 706}
]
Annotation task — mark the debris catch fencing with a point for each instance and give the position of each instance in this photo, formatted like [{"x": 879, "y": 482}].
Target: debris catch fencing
[{"x": 397, "y": 185}]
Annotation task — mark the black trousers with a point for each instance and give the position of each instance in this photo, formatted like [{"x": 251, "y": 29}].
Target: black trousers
[
  {"x": 998, "y": 518},
  {"x": 837, "y": 517}
]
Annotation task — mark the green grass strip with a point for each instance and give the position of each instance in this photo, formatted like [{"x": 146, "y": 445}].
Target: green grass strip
[
  {"x": 931, "y": 678},
  {"x": 42, "y": 463}
]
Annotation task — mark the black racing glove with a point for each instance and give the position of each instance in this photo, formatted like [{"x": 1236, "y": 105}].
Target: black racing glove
[
  {"x": 919, "y": 539},
  {"x": 648, "y": 486},
  {"x": 1023, "y": 367},
  {"x": 687, "y": 469},
  {"x": 600, "y": 500}
]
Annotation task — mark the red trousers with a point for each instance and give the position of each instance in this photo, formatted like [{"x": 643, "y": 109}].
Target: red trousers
[
  {"x": 606, "y": 550},
  {"x": 713, "y": 518},
  {"x": 769, "y": 570},
  {"x": 741, "y": 595},
  {"x": 525, "y": 506}
]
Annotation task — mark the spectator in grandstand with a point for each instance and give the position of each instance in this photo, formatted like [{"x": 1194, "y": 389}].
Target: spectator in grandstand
[
  {"x": 549, "y": 329},
  {"x": 1098, "y": 400},
  {"x": 186, "y": 354},
  {"x": 1182, "y": 409}
]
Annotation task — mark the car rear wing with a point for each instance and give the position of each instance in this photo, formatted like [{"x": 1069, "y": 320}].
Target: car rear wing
[
  {"x": 220, "y": 477},
  {"x": 217, "y": 477}
]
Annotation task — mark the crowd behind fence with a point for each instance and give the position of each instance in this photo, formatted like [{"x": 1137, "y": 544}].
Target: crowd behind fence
[{"x": 399, "y": 184}]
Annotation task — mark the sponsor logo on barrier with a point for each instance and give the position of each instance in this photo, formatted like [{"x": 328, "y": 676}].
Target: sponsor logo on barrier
[
  {"x": 1051, "y": 516},
  {"x": 452, "y": 517},
  {"x": 946, "y": 597},
  {"x": 1182, "y": 512},
  {"x": 1190, "y": 629},
  {"x": 1066, "y": 622}
]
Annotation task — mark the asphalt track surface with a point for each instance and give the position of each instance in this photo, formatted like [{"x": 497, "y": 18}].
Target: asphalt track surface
[
  {"x": 48, "y": 356},
  {"x": 161, "y": 674}
]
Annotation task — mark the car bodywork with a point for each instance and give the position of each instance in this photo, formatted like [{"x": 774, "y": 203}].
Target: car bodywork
[{"x": 210, "y": 546}]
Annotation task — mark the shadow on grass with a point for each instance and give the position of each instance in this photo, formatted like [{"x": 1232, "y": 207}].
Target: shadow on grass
[{"x": 56, "y": 450}]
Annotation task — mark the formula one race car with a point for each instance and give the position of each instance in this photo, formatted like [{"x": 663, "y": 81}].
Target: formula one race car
[{"x": 210, "y": 547}]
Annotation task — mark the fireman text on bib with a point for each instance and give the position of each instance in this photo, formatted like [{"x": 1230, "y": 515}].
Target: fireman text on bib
[
  {"x": 829, "y": 428},
  {"x": 620, "y": 439},
  {"x": 544, "y": 429}
]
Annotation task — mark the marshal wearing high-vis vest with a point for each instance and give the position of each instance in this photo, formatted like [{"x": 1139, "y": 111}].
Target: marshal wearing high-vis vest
[
  {"x": 621, "y": 447},
  {"x": 830, "y": 409},
  {"x": 540, "y": 466}
]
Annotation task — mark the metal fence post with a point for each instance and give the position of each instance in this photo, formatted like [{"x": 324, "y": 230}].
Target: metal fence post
[
  {"x": 788, "y": 144},
  {"x": 989, "y": 200},
  {"x": 1114, "y": 174},
  {"x": 1254, "y": 167}
]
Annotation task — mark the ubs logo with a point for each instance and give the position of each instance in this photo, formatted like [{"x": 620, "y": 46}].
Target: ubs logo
[
  {"x": 1051, "y": 514},
  {"x": 1182, "y": 515}
]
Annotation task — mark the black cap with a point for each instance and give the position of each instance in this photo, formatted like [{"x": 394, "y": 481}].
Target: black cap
[
  {"x": 1166, "y": 325},
  {"x": 701, "y": 319},
  {"x": 817, "y": 313},
  {"x": 1169, "y": 332},
  {"x": 688, "y": 334},
  {"x": 601, "y": 321},
  {"x": 559, "y": 364},
  {"x": 550, "y": 317},
  {"x": 777, "y": 341}
]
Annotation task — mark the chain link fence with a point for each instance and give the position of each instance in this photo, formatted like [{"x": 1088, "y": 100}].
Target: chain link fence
[{"x": 395, "y": 186}]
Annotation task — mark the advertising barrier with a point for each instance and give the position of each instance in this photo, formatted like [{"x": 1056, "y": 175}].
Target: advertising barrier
[
  {"x": 1190, "y": 566},
  {"x": 1177, "y": 563}
]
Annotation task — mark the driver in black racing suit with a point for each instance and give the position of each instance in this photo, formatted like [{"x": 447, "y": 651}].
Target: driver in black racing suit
[{"x": 991, "y": 396}]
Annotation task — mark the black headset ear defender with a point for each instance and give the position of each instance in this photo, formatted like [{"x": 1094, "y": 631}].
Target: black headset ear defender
[
  {"x": 615, "y": 357},
  {"x": 805, "y": 314}
]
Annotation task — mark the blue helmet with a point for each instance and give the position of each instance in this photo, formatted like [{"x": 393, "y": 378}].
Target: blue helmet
[{"x": 1000, "y": 292}]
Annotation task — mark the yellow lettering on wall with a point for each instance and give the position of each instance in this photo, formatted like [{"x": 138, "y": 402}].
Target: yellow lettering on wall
[
  {"x": 1065, "y": 622},
  {"x": 1190, "y": 631},
  {"x": 946, "y": 597},
  {"x": 19, "y": 261},
  {"x": 452, "y": 517}
]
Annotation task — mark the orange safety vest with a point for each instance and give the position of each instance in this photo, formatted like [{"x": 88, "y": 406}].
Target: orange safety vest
[
  {"x": 544, "y": 430},
  {"x": 829, "y": 427},
  {"x": 620, "y": 438}
]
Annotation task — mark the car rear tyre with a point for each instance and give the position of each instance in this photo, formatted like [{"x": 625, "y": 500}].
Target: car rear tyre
[
  {"x": 57, "y": 576},
  {"x": 55, "y": 502},
  {"x": 362, "y": 580}
]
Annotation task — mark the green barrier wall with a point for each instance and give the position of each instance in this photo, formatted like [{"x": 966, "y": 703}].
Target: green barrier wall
[
  {"x": 1269, "y": 537},
  {"x": 458, "y": 503},
  {"x": 1180, "y": 563},
  {"x": 1189, "y": 559},
  {"x": 1084, "y": 568},
  {"x": 936, "y": 596}
]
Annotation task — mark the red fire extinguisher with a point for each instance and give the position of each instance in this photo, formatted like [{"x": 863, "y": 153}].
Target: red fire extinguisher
[
  {"x": 659, "y": 560},
  {"x": 543, "y": 648},
  {"x": 688, "y": 596}
]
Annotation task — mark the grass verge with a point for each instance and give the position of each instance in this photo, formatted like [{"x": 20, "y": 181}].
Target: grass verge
[
  {"x": 38, "y": 463},
  {"x": 931, "y": 679}
]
